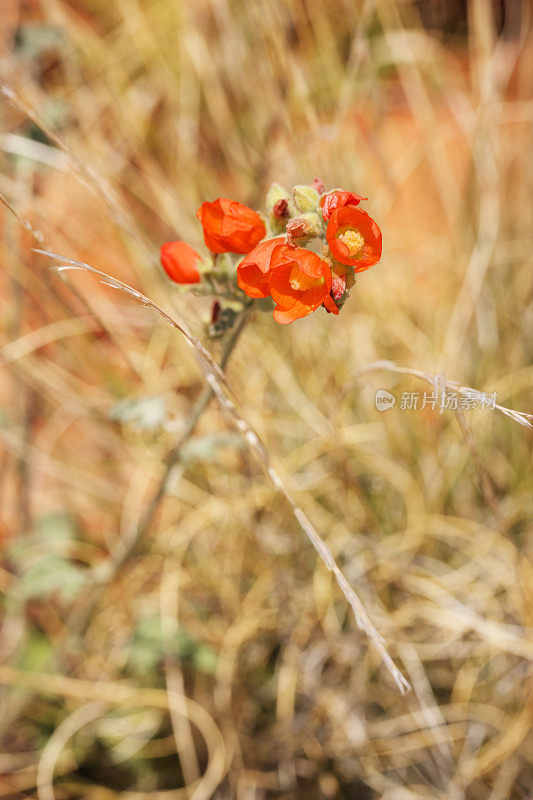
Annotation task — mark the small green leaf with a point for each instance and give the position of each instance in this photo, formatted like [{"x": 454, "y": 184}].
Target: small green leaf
[
  {"x": 43, "y": 563},
  {"x": 205, "y": 659},
  {"x": 204, "y": 448},
  {"x": 145, "y": 413},
  {"x": 36, "y": 653},
  {"x": 49, "y": 575}
]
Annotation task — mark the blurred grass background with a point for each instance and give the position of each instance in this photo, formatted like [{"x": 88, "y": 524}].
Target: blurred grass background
[{"x": 220, "y": 660}]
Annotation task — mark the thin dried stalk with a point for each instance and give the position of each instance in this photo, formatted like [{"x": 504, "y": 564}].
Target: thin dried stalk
[
  {"x": 87, "y": 175},
  {"x": 26, "y": 224},
  {"x": 222, "y": 391}
]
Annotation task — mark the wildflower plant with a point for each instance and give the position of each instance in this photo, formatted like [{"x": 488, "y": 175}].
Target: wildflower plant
[{"x": 301, "y": 255}]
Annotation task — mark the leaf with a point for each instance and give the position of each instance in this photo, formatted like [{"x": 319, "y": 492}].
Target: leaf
[
  {"x": 37, "y": 651},
  {"x": 53, "y": 533},
  {"x": 205, "y": 659},
  {"x": 145, "y": 413},
  {"x": 48, "y": 576},
  {"x": 148, "y": 647},
  {"x": 42, "y": 560},
  {"x": 204, "y": 448},
  {"x": 33, "y": 39}
]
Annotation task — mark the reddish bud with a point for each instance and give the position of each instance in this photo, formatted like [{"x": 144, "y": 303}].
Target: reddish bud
[
  {"x": 305, "y": 226},
  {"x": 338, "y": 286},
  {"x": 215, "y": 312},
  {"x": 297, "y": 228},
  {"x": 281, "y": 209}
]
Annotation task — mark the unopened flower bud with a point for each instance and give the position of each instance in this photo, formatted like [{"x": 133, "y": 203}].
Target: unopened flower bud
[
  {"x": 305, "y": 198},
  {"x": 342, "y": 280},
  {"x": 296, "y": 228},
  {"x": 280, "y": 209},
  {"x": 276, "y": 193},
  {"x": 215, "y": 312},
  {"x": 305, "y": 226},
  {"x": 181, "y": 262},
  {"x": 338, "y": 286}
]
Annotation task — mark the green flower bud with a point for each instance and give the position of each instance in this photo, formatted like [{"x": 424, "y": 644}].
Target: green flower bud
[
  {"x": 278, "y": 207},
  {"x": 304, "y": 226},
  {"x": 305, "y": 198},
  {"x": 275, "y": 193}
]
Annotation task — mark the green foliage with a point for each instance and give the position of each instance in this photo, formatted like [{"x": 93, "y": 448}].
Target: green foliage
[
  {"x": 149, "y": 646},
  {"x": 205, "y": 448},
  {"x": 32, "y": 40},
  {"x": 36, "y": 653},
  {"x": 43, "y": 561},
  {"x": 145, "y": 413}
]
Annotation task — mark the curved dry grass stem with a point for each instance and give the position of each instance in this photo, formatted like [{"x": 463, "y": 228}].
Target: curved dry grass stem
[
  {"x": 219, "y": 384},
  {"x": 57, "y": 742},
  {"x": 97, "y": 697},
  {"x": 120, "y": 119}
]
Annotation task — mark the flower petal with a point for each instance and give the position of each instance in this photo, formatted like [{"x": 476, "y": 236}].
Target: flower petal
[
  {"x": 230, "y": 226},
  {"x": 179, "y": 261},
  {"x": 351, "y": 218}
]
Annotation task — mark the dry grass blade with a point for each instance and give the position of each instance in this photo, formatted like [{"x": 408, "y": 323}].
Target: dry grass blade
[
  {"x": 57, "y": 742},
  {"x": 96, "y": 697},
  {"x": 186, "y": 569},
  {"x": 88, "y": 175},
  {"x": 218, "y": 382},
  {"x": 34, "y": 233},
  {"x": 107, "y": 280}
]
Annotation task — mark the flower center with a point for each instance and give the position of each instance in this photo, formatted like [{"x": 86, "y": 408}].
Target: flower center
[
  {"x": 300, "y": 282},
  {"x": 352, "y": 240}
]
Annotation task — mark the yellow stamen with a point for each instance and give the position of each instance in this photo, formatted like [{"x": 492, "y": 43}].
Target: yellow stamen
[
  {"x": 353, "y": 241},
  {"x": 300, "y": 281}
]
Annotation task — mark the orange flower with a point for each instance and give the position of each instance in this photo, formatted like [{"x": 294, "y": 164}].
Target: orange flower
[
  {"x": 253, "y": 273},
  {"x": 230, "y": 227},
  {"x": 299, "y": 284},
  {"x": 179, "y": 261},
  {"x": 354, "y": 238},
  {"x": 338, "y": 199}
]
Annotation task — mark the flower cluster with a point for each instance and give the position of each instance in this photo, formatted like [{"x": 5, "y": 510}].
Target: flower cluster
[{"x": 303, "y": 254}]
